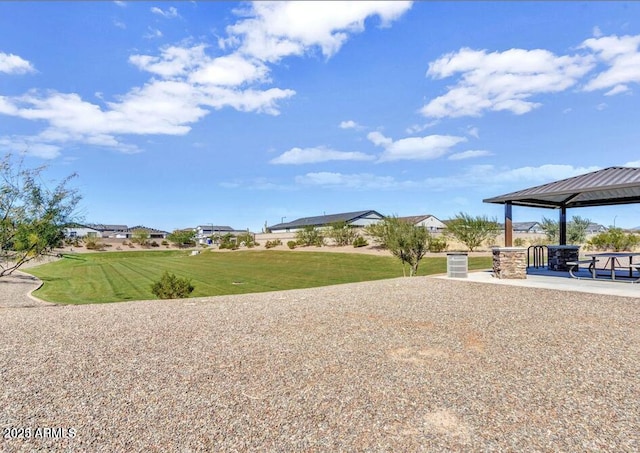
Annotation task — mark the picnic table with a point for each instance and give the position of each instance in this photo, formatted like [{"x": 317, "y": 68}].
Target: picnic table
[{"x": 613, "y": 261}]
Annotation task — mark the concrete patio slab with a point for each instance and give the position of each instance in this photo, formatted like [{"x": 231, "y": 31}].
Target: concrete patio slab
[{"x": 561, "y": 281}]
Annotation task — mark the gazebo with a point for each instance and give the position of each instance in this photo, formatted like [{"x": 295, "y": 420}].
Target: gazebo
[{"x": 606, "y": 187}]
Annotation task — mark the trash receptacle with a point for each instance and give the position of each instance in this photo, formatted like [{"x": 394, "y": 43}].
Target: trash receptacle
[{"x": 457, "y": 265}]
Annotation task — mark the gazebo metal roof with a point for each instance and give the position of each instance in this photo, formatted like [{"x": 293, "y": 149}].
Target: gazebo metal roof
[
  {"x": 606, "y": 187},
  {"x": 610, "y": 186}
]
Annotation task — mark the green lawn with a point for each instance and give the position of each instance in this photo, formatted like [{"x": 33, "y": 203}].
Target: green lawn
[{"x": 120, "y": 276}]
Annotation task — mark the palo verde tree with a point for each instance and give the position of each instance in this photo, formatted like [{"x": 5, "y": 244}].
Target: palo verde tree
[
  {"x": 576, "y": 230},
  {"x": 472, "y": 231},
  {"x": 405, "y": 241},
  {"x": 32, "y": 215},
  {"x": 341, "y": 232},
  {"x": 182, "y": 238}
]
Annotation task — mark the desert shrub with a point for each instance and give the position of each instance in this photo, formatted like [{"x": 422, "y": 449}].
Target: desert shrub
[
  {"x": 359, "y": 241},
  {"x": 274, "y": 243},
  {"x": 291, "y": 244},
  {"x": 246, "y": 239},
  {"x": 93, "y": 244},
  {"x": 171, "y": 287},
  {"x": 165, "y": 242},
  {"x": 614, "y": 239},
  {"x": 436, "y": 244},
  {"x": 310, "y": 235},
  {"x": 519, "y": 242},
  {"x": 341, "y": 232},
  {"x": 154, "y": 244}
]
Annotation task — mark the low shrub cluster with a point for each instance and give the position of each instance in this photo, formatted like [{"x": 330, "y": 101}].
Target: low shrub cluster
[
  {"x": 272, "y": 244},
  {"x": 614, "y": 239},
  {"x": 292, "y": 244},
  {"x": 359, "y": 241},
  {"x": 436, "y": 244},
  {"x": 171, "y": 287}
]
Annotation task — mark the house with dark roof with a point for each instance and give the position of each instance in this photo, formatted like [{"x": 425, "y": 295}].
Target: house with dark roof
[
  {"x": 359, "y": 219},
  {"x": 152, "y": 232},
  {"x": 428, "y": 221}
]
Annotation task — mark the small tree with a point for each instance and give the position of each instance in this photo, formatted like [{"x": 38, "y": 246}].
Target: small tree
[
  {"x": 182, "y": 238},
  {"x": 472, "y": 231},
  {"x": 32, "y": 216},
  {"x": 171, "y": 287},
  {"x": 342, "y": 233},
  {"x": 576, "y": 230},
  {"x": 405, "y": 241},
  {"x": 551, "y": 230},
  {"x": 310, "y": 235}
]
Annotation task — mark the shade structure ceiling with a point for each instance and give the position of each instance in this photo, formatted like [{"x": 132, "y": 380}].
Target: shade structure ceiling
[{"x": 606, "y": 187}]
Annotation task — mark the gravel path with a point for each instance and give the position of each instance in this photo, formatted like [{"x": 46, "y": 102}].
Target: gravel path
[{"x": 420, "y": 364}]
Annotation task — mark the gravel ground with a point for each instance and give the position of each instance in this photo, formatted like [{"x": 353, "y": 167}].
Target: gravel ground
[{"x": 420, "y": 364}]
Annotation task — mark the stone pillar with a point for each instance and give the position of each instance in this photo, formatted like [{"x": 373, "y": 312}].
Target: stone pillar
[{"x": 510, "y": 262}]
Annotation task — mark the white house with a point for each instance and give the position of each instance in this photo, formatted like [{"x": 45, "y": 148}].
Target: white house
[
  {"x": 76, "y": 230},
  {"x": 428, "y": 221}
]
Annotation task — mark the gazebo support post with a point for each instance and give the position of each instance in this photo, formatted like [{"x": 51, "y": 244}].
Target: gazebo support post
[
  {"x": 563, "y": 225},
  {"x": 508, "y": 224}
]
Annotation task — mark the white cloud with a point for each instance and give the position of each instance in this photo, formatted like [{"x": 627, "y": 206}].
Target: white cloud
[
  {"x": 120, "y": 3},
  {"x": 473, "y": 131},
  {"x": 617, "y": 90},
  {"x": 274, "y": 30},
  {"x": 13, "y": 64},
  {"x": 597, "y": 32},
  {"x": 501, "y": 80},
  {"x": 350, "y": 124},
  {"x": 469, "y": 154},
  {"x": 635, "y": 163},
  {"x": 296, "y": 156},
  {"x": 349, "y": 181},
  {"x": 622, "y": 56},
  {"x": 153, "y": 33},
  {"x": 416, "y": 128},
  {"x": 168, "y": 13},
  {"x": 186, "y": 83},
  {"x": 30, "y": 146},
  {"x": 414, "y": 148}
]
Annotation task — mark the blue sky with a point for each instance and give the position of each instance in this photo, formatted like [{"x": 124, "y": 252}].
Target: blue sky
[{"x": 177, "y": 114}]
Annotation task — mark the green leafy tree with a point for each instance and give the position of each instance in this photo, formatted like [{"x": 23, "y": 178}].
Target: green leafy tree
[
  {"x": 171, "y": 287},
  {"x": 576, "y": 230},
  {"x": 472, "y": 231},
  {"x": 182, "y": 238},
  {"x": 310, "y": 235},
  {"x": 341, "y": 232},
  {"x": 551, "y": 230},
  {"x": 407, "y": 242},
  {"x": 32, "y": 215}
]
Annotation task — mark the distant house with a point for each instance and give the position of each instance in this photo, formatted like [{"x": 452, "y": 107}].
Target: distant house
[
  {"x": 204, "y": 232},
  {"x": 357, "y": 219},
  {"x": 77, "y": 230},
  {"x": 527, "y": 227},
  {"x": 110, "y": 231},
  {"x": 595, "y": 228},
  {"x": 430, "y": 222},
  {"x": 152, "y": 232}
]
